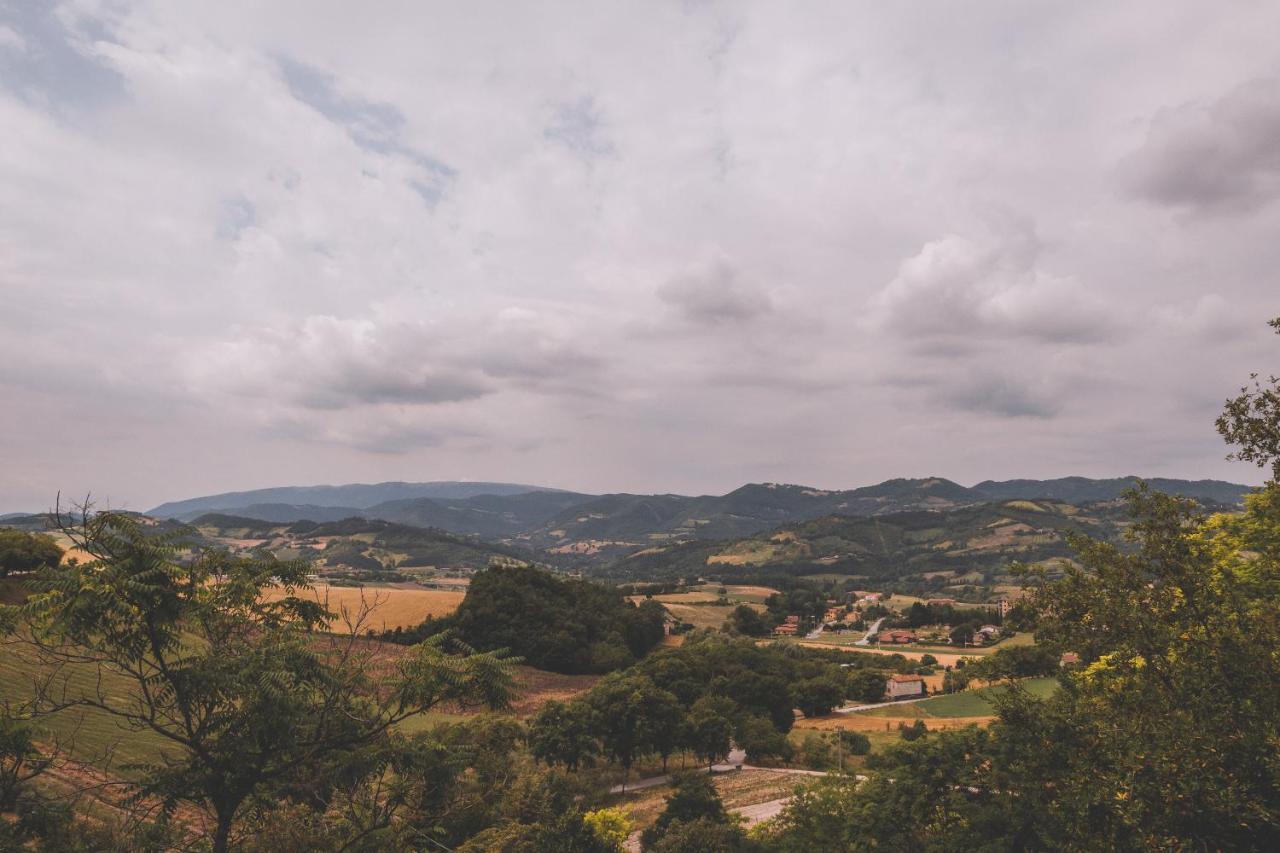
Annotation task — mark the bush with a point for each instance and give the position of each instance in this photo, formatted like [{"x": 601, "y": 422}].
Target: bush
[{"x": 915, "y": 731}]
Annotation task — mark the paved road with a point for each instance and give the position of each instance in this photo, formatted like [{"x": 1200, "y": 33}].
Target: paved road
[
  {"x": 733, "y": 762},
  {"x": 875, "y": 626},
  {"x": 850, "y": 709}
]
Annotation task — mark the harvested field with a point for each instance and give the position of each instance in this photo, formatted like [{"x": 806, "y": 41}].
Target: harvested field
[
  {"x": 865, "y": 723},
  {"x": 704, "y": 616},
  {"x": 392, "y": 607}
]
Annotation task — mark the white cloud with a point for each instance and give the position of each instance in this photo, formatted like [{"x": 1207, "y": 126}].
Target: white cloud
[{"x": 959, "y": 289}]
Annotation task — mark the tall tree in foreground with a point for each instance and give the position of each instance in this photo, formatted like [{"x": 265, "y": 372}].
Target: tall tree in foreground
[{"x": 239, "y": 685}]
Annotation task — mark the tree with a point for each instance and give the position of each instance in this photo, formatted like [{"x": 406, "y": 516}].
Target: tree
[
  {"x": 620, "y": 706},
  {"x": 1251, "y": 421},
  {"x": 709, "y": 728},
  {"x": 761, "y": 741},
  {"x": 817, "y": 697},
  {"x": 241, "y": 690},
  {"x": 26, "y": 552},
  {"x": 561, "y": 734},
  {"x": 21, "y": 760},
  {"x": 928, "y": 660},
  {"x": 865, "y": 685},
  {"x": 662, "y": 722},
  {"x": 854, "y": 743},
  {"x": 703, "y": 836},
  {"x": 915, "y": 731},
  {"x": 694, "y": 798},
  {"x": 611, "y": 825},
  {"x": 747, "y": 621},
  {"x": 1015, "y": 662}
]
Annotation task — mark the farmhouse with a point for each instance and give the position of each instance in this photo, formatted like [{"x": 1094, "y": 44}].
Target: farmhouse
[
  {"x": 897, "y": 637},
  {"x": 904, "y": 686},
  {"x": 787, "y": 629}
]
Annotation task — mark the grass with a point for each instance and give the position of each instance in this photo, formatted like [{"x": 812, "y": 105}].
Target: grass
[
  {"x": 969, "y": 703},
  {"x": 91, "y": 736}
]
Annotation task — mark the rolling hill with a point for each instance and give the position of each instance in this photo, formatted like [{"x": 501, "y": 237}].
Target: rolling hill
[
  {"x": 360, "y": 545},
  {"x": 591, "y": 530},
  {"x": 964, "y": 546},
  {"x": 355, "y": 496}
]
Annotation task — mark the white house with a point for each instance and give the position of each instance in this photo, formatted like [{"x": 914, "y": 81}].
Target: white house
[{"x": 904, "y": 686}]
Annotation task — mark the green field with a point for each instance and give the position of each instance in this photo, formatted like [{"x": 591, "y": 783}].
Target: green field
[
  {"x": 970, "y": 703},
  {"x": 852, "y": 638},
  {"x": 92, "y": 736}
]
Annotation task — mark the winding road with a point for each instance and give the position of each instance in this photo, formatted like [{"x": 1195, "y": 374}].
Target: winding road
[{"x": 871, "y": 632}]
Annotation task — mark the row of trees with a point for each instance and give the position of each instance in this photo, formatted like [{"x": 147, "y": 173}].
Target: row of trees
[{"x": 700, "y": 698}]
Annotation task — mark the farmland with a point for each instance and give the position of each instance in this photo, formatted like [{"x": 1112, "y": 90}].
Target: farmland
[
  {"x": 390, "y": 606},
  {"x": 968, "y": 703}
]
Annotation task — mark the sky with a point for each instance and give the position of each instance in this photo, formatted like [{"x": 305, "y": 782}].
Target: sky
[{"x": 646, "y": 246}]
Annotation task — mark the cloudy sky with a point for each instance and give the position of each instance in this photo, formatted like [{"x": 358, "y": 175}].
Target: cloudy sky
[{"x": 628, "y": 246}]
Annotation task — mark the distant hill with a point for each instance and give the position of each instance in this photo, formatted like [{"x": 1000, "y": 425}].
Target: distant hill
[
  {"x": 1082, "y": 489},
  {"x": 361, "y": 544},
  {"x": 594, "y": 529},
  {"x": 977, "y": 542},
  {"x": 356, "y": 495}
]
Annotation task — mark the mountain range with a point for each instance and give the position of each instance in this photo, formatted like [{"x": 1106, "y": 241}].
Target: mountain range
[{"x": 597, "y": 528}]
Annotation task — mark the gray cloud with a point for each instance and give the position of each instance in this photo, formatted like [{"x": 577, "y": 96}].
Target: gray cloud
[
  {"x": 715, "y": 295},
  {"x": 1000, "y": 395},
  {"x": 1217, "y": 156}
]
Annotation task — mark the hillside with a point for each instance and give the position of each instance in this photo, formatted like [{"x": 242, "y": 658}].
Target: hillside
[
  {"x": 965, "y": 546},
  {"x": 592, "y": 530},
  {"x": 355, "y": 495},
  {"x": 358, "y": 545}
]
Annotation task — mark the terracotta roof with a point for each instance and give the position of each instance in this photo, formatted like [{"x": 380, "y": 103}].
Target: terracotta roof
[{"x": 906, "y": 679}]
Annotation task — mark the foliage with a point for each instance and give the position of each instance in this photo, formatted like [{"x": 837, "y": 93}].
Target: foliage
[
  {"x": 817, "y": 697},
  {"x": 556, "y": 623},
  {"x": 709, "y": 728},
  {"x": 611, "y": 825},
  {"x": 747, "y": 621},
  {"x": 26, "y": 552},
  {"x": 761, "y": 741},
  {"x": 1251, "y": 421},
  {"x": 245, "y": 696},
  {"x": 693, "y": 798},
  {"x": 563, "y": 734}
]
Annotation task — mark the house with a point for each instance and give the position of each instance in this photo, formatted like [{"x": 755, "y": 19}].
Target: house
[
  {"x": 1069, "y": 659},
  {"x": 897, "y": 636},
  {"x": 904, "y": 687},
  {"x": 786, "y": 630},
  {"x": 669, "y": 626},
  {"x": 991, "y": 632},
  {"x": 1005, "y": 606}
]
